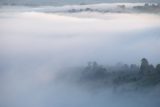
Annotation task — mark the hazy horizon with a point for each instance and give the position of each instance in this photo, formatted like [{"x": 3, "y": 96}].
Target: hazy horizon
[{"x": 69, "y": 2}]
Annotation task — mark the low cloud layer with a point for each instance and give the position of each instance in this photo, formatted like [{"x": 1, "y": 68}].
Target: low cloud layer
[
  {"x": 81, "y": 36},
  {"x": 35, "y": 45}
]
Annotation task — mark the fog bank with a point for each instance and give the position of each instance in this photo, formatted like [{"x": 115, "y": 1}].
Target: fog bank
[{"x": 35, "y": 45}]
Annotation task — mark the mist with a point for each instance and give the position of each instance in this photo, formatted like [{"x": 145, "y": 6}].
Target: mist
[{"x": 39, "y": 45}]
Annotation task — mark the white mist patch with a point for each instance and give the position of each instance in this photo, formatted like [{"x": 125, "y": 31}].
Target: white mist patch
[
  {"x": 80, "y": 35},
  {"x": 47, "y": 24}
]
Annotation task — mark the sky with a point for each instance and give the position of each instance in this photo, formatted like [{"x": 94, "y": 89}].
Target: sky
[{"x": 63, "y": 2}]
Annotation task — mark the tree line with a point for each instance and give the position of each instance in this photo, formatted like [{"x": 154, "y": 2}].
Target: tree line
[{"x": 143, "y": 75}]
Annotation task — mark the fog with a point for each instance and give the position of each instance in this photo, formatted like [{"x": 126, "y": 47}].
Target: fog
[
  {"x": 35, "y": 44},
  {"x": 81, "y": 37}
]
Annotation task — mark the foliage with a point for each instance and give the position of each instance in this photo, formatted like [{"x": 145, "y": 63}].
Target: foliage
[{"x": 145, "y": 75}]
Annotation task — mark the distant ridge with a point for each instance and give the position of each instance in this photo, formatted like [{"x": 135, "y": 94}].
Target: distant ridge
[{"x": 66, "y": 2}]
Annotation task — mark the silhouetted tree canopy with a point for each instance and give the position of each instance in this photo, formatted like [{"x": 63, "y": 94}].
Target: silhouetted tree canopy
[
  {"x": 158, "y": 68},
  {"x": 121, "y": 74},
  {"x": 144, "y": 68}
]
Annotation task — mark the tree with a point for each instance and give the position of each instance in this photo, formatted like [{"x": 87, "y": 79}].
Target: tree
[
  {"x": 95, "y": 71},
  {"x": 151, "y": 68},
  {"x": 134, "y": 67},
  {"x": 144, "y": 68},
  {"x": 158, "y": 68}
]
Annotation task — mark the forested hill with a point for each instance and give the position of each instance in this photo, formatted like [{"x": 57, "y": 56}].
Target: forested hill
[{"x": 121, "y": 76}]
